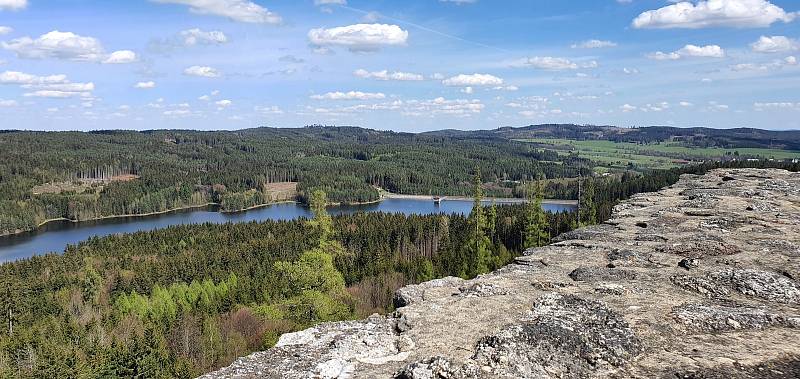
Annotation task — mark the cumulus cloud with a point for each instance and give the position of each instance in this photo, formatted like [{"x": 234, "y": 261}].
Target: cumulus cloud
[
  {"x": 386, "y": 75},
  {"x": 8, "y": 103},
  {"x": 442, "y": 106},
  {"x": 21, "y": 78},
  {"x": 51, "y": 86},
  {"x": 145, "y": 85},
  {"x": 473, "y": 80},
  {"x": 121, "y": 57},
  {"x": 714, "y": 13},
  {"x": 202, "y": 71},
  {"x": 594, "y": 44},
  {"x": 13, "y": 5},
  {"x": 236, "y": 10},
  {"x": 708, "y": 51},
  {"x": 351, "y": 95},
  {"x": 5, "y": 30},
  {"x": 774, "y": 44},
  {"x": 66, "y": 46},
  {"x": 359, "y": 37},
  {"x": 222, "y": 104},
  {"x": 192, "y": 37}
]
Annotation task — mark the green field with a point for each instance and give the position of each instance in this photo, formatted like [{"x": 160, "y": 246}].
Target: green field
[{"x": 623, "y": 155}]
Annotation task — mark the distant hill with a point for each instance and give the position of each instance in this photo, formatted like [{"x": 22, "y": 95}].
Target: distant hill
[{"x": 692, "y": 137}]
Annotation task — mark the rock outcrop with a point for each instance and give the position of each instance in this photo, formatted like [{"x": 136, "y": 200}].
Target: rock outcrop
[{"x": 699, "y": 280}]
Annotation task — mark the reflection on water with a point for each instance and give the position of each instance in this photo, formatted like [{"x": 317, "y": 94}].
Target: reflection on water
[{"x": 55, "y": 236}]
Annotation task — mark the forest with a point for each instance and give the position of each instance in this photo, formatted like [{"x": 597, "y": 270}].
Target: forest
[
  {"x": 81, "y": 176},
  {"x": 181, "y": 301}
]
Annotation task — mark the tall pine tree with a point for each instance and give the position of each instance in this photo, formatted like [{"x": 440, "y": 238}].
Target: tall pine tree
[
  {"x": 536, "y": 227},
  {"x": 478, "y": 245}
]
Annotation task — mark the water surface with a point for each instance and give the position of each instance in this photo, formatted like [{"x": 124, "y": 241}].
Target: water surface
[{"x": 55, "y": 236}]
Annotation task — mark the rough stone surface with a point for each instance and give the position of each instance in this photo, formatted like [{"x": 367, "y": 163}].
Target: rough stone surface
[{"x": 699, "y": 280}]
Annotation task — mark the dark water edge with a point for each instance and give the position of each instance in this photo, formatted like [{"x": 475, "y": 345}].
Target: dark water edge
[{"x": 55, "y": 236}]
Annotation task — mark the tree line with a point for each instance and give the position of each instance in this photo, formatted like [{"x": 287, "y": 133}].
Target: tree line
[{"x": 175, "y": 169}]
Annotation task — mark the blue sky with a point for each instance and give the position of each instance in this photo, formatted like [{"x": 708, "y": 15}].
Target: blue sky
[{"x": 414, "y": 65}]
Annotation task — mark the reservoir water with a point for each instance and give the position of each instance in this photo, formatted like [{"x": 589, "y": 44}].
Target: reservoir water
[{"x": 55, "y": 236}]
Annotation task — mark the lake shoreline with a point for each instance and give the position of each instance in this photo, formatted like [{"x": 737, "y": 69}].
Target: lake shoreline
[
  {"x": 384, "y": 196},
  {"x": 498, "y": 200}
]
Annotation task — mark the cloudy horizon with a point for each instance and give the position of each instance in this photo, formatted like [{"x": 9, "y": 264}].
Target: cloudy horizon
[{"x": 425, "y": 65}]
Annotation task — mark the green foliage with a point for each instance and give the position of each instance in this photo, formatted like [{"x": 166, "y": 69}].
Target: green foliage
[
  {"x": 176, "y": 302},
  {"x": 478, "y": 245},
  {"x": 165, "y": 304},
  {"x": 587, "y": 211},
  {"x": 536, "y": 227},
  {"x": 189, "y": 168},
  {"x": 314, "y": 271}
]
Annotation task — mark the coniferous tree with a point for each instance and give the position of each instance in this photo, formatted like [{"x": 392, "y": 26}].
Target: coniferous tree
[
  {"x": 478, "y": 245},
  {"x": 536, "y": 227},
  {"x": 588, "y": 209}
]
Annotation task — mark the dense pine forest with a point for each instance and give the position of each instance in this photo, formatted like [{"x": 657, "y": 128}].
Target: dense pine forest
[
  {"x": 81, "y": 176},
  {"x": 184, "y": 300}
]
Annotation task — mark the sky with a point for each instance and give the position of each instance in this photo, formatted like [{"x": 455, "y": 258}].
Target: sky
[{"x": 413, "y": 65}]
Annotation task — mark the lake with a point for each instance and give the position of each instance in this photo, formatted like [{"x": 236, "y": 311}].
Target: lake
[{"x": 55, "y": 236}]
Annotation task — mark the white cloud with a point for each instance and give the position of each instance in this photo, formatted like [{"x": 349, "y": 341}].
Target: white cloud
[
  {"x": 442, "y": 106},
  {"x": 121, "y": 57},
  {"x": 192, "y": 37},
  {"x": 62, "y": 87},
  {"x": 8, "y": 103},
  {"x": 268, "y": 110},
  {"x": 630, "y": 71},
  {"x": 222, "y": 104},
  {"x": 714, "y": 13},
  {"x": 330, "y": 2},
  {"x": 21, "y": 78},
  {"x": 506, "y": 88},
  {"x": 67, "y": 46},
  {"x": 467, "y": 90},
  {"x": 551, "y": 63},
  {"x": 52, "y": 86},
  {"x": 202, "y": 71},
  {"x": 685, "y": 104},
  {"x": 775, "y": 105},
  {"x": 708, "y": 51},
  {"x": 628, "y": 108},
  {"x": 473, "y": 80},
  {"x": 53, "y": 94},
  {"x": 386, "y": 75},
  {"x": 5, "y": 30},
  {"x": 13, "y": 5},
  {"x": 774, "y": 65},
  {"x": 352, "y": 95},
  {"x": 593, "y": 44},
  {"x": 145, "y": 85},
  {"x": 236, "y": 10},
  {"x": 775, "y": 44},
  {"x": 359, "y": 37}
]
